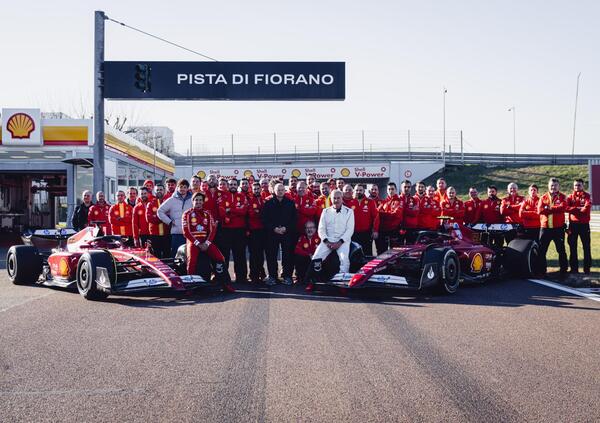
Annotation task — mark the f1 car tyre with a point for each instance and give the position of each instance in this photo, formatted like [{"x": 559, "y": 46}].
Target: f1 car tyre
[
  {"x": 450, "y": 278},
  {"x": 181, "y": 260},
  {"x": 24, "y": 264},
  {"x": 87, "y": 271},
  {"x": 522, "y": 257}
]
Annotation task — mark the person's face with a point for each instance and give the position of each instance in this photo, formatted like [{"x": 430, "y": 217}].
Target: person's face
[
  {"x": 325, "y": 189},
  {"x": 348, "y": 192},
  {"x": 87, "y": 197},
  {"x": 473, "y": 193},
  {"x": 340, "y": 184},
  {"x": 406, "y": 189},
  {"x": 310, "y": 229},
  {"x": 264, "y": 184},
  {"x": 244, "y": 186},
  {"x": 512, "y": 189},
  {"x": 430, "y": 191},
  {"x": 171, "y": 186},
  {"x": 337, "y": 199},
  {"x": 160, "y": 192},
  {"x": 293, "y": 182},
  {"x": 256, "y": 190},
  {"x": 198, "y": 202},
  {"x": 451, "y": 193},
  {"x": 132, "y": 194},
  {"x": 374, "y": 191},
  {"x": 359, "y": 192},
  {"x": 491, "y": 192},
  {"x": 212, "y": 181},
  {"x": 196, "y": 184},
  {"x": 144, "y": 195},
  {"x": 233, "y": 185},
  {"x": 310, "y": 179},
  {"x": 441, "y": 184},
  {"x": 577, "y": 186},
  {"x": 301, "y": 188},
  {"x": 223, "y": 185},
  {"x": 100, "y": 196},
  {"x": 279, "y": 191},
  {"x": 149, "y": 186},
  {"x": 391, "y": 190},
  {"x": 182, "y": 189},
  {"x": 315, "y": 187},
  {"x": 553, "y": 187},
  {"x": 120, "y": 196},
  {"x": 533, "y": 192},
  {"x": 421, "y": 189}
]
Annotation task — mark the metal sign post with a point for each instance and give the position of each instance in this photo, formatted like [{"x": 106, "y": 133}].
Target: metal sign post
[{"x": 99, "y": 101}]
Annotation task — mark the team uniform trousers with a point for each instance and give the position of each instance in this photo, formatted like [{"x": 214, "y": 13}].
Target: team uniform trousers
[
  {"x": 161, "y": 245},
  {"x": 579, "y": 230},
  {"x": 365, "y": 241},
  {"x": 287, "y": 243},
  {"x": 557, "y": 235},
  {"x": 385, "y": 240},
  {"x": 233, "y": 240},
  {"x": 256, "y": 247}
]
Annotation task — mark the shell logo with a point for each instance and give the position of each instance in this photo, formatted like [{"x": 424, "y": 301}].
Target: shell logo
[
  {"x": 20, "y": 126},
  {"x": 345, "y": 172},
  {"x": 477, "y": 263},
  {"x": 247, "y": 173},
  {"x": 63, "y": 267},
  {"x": 201, "y": 174},
  {"x": 296, "y": 173}
]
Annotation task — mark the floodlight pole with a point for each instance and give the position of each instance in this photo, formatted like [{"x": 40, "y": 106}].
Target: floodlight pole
[{"x": 100, "y": 17}]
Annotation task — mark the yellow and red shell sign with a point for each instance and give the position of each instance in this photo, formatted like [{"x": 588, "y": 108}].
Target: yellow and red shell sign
[
  {"x": 20, "y": 126},
  {"x": 477, "y": 263}
]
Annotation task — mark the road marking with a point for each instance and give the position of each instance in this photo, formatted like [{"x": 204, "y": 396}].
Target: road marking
[
  {"x": 76, "y": 392},
  {"x": 27, "y": 300},
  {"x": 566, "y": 289}
]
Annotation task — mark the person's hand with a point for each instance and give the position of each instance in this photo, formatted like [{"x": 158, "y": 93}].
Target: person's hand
[
  {"x": 277, "y": 230},
  {"x": 204, "y": 246},
  {"x": 283, "y": 230},
  {"x": 335, "y": 245},
  {"x": 375, "y": 235}
]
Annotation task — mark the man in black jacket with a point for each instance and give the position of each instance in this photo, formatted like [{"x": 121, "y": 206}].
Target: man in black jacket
[
  {"x": 279, "y": 219},
  {"x": 80, "y": 217}
]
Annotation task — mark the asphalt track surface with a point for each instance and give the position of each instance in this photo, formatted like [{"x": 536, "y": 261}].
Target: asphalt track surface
[{"x": 503, "y": 351}]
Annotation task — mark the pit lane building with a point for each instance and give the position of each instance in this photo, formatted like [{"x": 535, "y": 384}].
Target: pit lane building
[{"x": 45, "y": 164}]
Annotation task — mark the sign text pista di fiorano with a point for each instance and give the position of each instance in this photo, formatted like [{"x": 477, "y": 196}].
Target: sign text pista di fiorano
[{"x": 224, "y": 80}]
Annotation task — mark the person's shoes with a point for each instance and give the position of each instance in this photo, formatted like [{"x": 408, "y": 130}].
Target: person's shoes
[
  {"x": 270, "y": 281},
  {"x": 310, "y": 287},
  {"x": 586, "y": 271},
  {"x": 255, "y": 280},
  {"x": 288, "y": 281},
  {"x": 228, "y": 288},
  {"x": 574, "y": 271},
  {"x": 243, "y": 280}
]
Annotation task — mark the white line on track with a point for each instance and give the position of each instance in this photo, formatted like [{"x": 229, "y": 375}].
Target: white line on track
[{"x": 573, "y": 291}]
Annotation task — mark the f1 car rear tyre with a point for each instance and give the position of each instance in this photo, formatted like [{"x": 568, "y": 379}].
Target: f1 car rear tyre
[
  {"x": 87, "y": 272},
  {"x": 180, "y": 265},
  {"x": 24, "y": 264},
  {"x": 450, "y": 277},
  {"x": 522, "y": 257}
]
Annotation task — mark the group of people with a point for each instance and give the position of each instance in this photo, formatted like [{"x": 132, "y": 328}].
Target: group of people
[{"x": 306, "y": 220}]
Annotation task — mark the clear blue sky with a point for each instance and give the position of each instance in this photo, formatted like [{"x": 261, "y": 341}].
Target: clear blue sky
[{"x": 399, "y": 54}]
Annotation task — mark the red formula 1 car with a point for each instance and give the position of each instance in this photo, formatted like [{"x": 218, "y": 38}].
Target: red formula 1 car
[
  {"x": 437, "y": 260},
  {"x": 98, "y": 265}
]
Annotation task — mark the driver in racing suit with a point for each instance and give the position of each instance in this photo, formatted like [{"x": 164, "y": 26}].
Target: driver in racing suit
[{"x": 199, "y": 230}]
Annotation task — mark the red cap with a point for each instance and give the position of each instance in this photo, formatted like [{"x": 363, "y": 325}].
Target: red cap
[{"x": 149, "y": 181}]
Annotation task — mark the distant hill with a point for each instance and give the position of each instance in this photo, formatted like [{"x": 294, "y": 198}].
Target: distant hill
[{"x": 463, "y": 177}]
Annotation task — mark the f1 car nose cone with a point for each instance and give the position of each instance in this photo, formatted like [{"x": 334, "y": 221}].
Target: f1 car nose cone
[{"x": 355, "y": 280}]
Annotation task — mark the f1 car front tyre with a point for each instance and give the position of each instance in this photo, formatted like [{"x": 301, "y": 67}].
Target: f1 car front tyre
[
  {"x": 24, "y": 264},
  {"x": 450, "y": 277},
  {"x": 522, "y": 257},
  {"x": 87, "y": 272}
]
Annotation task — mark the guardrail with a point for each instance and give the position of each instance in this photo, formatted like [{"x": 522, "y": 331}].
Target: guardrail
[
  {"x": 595, "y": 222},
  {"x": 491, "y": 159}
]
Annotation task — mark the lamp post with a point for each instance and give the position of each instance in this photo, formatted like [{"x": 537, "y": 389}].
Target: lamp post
[
  {"x": 444, "y": 127},
  {"x": 513, "y": 110},
  {"x": 575, "y": 114}
]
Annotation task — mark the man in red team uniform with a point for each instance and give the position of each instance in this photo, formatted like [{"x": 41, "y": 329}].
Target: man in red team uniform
[
  {"x": 99, "y": 213},
  {"x": 211, "y": 197},
  {"x": 120, "y": 218},
  {"x": 292, "y": 190},
  {"x": 199, "y": 230},
  {"x": 160, "y": 238},
  {"x": 305, "y": 248},
  {"x": 374, "y": 194},
  {"x": 233, "y": 208},
  {"x": 489, "y": 213},
  {"x": 256, "y": 240},
  {"x": 579, "y": 205},
  {"x": 171, "y": 184},
  {"x": 453, "y": 207},
  {"x": 366, "y": 220},
  {"x": 149, "y": 184},
  {"x": 410, "y": 206},
  {"x": 348, "y": 197},
  {"x": 429, "y": 210},
  {"x": 140, "y": 227},
  {"x": 529, "y": 214},
  {"x": 440, "y": 193},
  {"x": 264, "y": 189},
  {"x": 323, "y": 201},
  {"x": 390, "y": 219},
  {"x": 511, "y": 204},
  {"x": 305, "y": 207},
  {"x": 472, "y": 207},
  {"x": 552, "y": 207},
  {"x": 196, "y": 182}
]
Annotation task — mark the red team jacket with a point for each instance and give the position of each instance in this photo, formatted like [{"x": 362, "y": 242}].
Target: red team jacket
[
  {"x": 306, "y": 247},
  {"x": 410, "y": 208},
  {"x": 233, "y": 208},
  {"x": 120, "y": 218},
  {"x": 429, "y": 212},
  {"x": 255, "y": 206},
  {"x": 366, "y": 216},
  {"x": 529, "y": 213},
  {"x": 472, "y": 210},
  {"x": 140, "y": 223},
  {"x": 155, "y": 225},
  {"x": 391, "y": 214},
  {"x": 579, "y": 205},
  {"x": 509, "y": 208},
  {"x": 322, "y": 203},
  {"x": 307, "y": 210},
  {"x": 551, "y": 208},
  {"x": 198, "y": 224},
  {"x": 99, "y": 212},
  {"x": 454, "y": 209},
  {"x": 489, "y": 211}
]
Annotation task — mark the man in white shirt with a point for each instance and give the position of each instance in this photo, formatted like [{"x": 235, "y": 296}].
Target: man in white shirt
[{"x": 336, "y": 228}]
